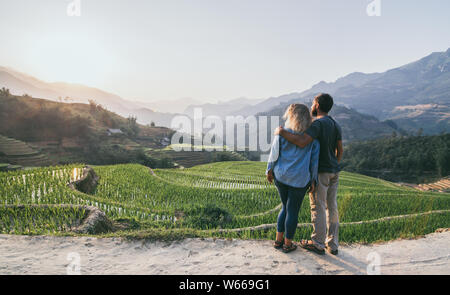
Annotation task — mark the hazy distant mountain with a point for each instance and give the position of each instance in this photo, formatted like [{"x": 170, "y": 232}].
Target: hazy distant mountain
[
  {"x": 147, "y": 116},
  {"x": 431, "y": 118},
  {"x": 169, "y": 106},
  {"x": 267, "y": 104},
  {"x": 356, "y": 79},
  {"x": 160, "y": 112},
  {"x": 414, "y": 96},
  {"x": 20, "y": 87},
  {"x": 223, "y": 109},
  {"x": 422, "y": 82},
  {"x": 20, "y": 83}
]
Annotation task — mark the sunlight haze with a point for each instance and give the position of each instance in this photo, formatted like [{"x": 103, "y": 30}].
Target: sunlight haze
[{"x": 214, "y": 50}]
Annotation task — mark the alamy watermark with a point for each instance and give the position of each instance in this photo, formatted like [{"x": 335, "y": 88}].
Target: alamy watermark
[
  {"x": 374, "y": 8},
  {"x": 74, "y": 8},
  {"x": 374, "y": 263},
  {"x": 74, "y": 266},
  {"x": 242, "y": 134}
]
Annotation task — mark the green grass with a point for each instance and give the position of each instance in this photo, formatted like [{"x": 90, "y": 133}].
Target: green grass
[
  {"x": 177, "y": 203},
  {"x": 35, "y": 220}
]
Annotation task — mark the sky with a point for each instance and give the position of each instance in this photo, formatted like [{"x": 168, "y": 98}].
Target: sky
[{"x": 214, "y": 50}]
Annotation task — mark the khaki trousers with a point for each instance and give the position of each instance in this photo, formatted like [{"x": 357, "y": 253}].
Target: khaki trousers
[{"x": 324, "y": 212}]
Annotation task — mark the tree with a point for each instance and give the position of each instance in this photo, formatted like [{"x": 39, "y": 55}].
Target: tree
[
  {"x": 5, "y": 92},
  {"x": 443, "y": 159},
  {"x": 92, "y": 106},
  {"x": 152, "y": 124},
  {"x": 132, "y": 127}
]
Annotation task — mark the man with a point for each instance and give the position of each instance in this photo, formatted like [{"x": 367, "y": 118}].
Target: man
[{"x": 323, "y": 195}]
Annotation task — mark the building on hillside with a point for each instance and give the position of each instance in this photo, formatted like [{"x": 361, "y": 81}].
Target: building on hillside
[{"x": 114, "y": 132}]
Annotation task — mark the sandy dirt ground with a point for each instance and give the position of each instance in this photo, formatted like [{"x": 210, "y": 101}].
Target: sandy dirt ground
[{"x": 58, "y": 255}]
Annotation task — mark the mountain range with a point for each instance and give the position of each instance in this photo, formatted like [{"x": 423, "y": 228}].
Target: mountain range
[
  {"x": 411, "y": 97},
  {"x": 223, "y": 109},
  {"x": 414, "y": 96},
  {"x": 20, "y": 84},
  {"x": 159, "y": 112}
]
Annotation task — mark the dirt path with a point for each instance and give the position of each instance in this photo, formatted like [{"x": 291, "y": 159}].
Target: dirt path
[
  {"x": 49, "y": 255},
  {"x": 301, "y": 225}
]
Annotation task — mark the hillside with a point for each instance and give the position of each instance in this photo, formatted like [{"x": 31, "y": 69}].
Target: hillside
[
  {"x": 357, "y": 79},
  {"x": 416, "y": 159},
  {"x": 430, "y": 118},
  {"x": 73, "y": 132},
  {"x": 16, "y": 152},
  {"x": 33, "y": 119},
  {"x": 23, "y": 84},
  {"x": 421, "y": 82}
]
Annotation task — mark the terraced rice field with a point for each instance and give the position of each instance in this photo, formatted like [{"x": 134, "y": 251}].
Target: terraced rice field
[
  {"x": 19, "y": 153},
  {"x": 191, "y": 158},
  {"x": 226, "y": 199},
  {"x": 443, "y": 185}
]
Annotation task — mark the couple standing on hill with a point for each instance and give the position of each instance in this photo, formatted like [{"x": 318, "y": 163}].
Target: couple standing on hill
[{"x": 305, "y": 155}]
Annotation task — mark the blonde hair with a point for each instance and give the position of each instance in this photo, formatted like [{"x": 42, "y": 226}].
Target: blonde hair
[{"x": 298, "y": 117}]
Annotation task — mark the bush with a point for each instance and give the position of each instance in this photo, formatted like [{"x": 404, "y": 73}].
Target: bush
[{"x": 209, "y": 216}]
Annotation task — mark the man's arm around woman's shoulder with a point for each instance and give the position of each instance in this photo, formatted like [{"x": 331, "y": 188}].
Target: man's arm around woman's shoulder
[
  {"x": 273, "y": 158},
  {"x": 300, "y": 140}
]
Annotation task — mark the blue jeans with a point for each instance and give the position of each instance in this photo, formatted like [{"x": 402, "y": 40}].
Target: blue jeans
[{"x": 292, "y": 198}]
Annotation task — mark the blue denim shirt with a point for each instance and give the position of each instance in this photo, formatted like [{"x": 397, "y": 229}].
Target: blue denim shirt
[{"x": 292, "y": 165}]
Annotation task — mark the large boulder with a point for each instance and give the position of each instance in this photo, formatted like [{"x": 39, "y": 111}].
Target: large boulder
[
  {"x": 96, "y": 222},
  {"x": 87, "y": 183}
]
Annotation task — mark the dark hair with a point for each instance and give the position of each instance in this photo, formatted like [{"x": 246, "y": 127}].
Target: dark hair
[{"x": 325, "y": 102}]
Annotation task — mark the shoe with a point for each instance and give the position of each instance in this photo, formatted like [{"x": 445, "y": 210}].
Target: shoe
[
  {"x": 287, "y": 249},
  {"x": 278, "y": 245},
  {"x": 308, "y": 245},
  {"x": 331, "y": 251}
]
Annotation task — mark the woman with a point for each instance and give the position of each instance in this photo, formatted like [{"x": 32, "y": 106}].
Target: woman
[{"x": 294, "y": 170}]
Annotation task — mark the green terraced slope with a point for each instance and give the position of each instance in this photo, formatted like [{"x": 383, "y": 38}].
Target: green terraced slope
[
  {"x": 225, "y": 199},
  {"x": 17, "y": 152}
]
